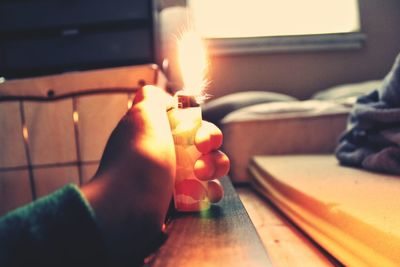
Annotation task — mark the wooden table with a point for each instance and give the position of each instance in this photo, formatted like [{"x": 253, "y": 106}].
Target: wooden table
[
  {"x": 234, "y": 234},
  {"x": 222, "y": 236}
]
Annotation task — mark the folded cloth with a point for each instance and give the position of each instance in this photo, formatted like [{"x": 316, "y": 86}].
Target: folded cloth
[{"x": 372, "y": 138}]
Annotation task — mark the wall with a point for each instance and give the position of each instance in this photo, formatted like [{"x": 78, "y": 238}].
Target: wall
[{"x": 303, "y": 73}]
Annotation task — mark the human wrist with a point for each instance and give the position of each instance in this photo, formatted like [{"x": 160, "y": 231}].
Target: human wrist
[{"x": 129, "y": 230}]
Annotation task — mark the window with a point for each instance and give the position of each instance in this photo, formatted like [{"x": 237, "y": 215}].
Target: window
[{"x": 236, "y": 26}]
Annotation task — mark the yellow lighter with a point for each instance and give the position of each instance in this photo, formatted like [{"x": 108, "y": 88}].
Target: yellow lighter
[{"x": 190, "y": 194}]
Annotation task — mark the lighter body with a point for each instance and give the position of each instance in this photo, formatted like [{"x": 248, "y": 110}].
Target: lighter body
[{"x": 190, "y": 193}]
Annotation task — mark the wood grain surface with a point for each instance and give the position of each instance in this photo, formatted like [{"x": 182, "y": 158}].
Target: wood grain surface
[
  {"x": 222, "y": 236},
  {"x": 285, "y": 244}
]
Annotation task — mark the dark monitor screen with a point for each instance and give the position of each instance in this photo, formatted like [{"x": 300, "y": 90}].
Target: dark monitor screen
[{"x": 55, "y": 36}]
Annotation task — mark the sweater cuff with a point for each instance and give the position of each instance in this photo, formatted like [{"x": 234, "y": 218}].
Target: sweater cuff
[{"x": 57, "y": 230}]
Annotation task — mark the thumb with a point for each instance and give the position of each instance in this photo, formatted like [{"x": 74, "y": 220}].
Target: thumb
[
  {"x": 153, "y": 98},
  {"x": 149, "y": 114},
  {"x": 143, "y": 132},
  {"x": 149, "y": 110}
]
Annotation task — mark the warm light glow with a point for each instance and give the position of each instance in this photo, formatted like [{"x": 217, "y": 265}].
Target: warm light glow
[
  {"x": 75, "y": 116},
  {"x": 193, "y": 61},
  {"x": 256, "y": 18},
  {"x": 25, "y": 133},
  {"x": 130, "y": 102}
]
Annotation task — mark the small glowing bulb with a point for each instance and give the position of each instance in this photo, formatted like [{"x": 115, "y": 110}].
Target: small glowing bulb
[
  {"x": 75, "y": 116},
  {"x": 25, "y": 133}
]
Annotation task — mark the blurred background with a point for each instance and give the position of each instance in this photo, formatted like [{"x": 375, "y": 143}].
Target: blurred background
[{"x": 304, "y": 72}]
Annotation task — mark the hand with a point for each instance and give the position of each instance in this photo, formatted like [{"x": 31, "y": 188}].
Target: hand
[
  {"x": 213, "y": 163},
  {"x": 132, "y": 189}
]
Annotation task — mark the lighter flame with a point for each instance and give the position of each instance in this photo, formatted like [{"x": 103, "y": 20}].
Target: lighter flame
[{"x": 193, "y": 62}]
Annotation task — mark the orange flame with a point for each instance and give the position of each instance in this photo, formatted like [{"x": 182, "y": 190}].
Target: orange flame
[{"x": 193, "y": 63}]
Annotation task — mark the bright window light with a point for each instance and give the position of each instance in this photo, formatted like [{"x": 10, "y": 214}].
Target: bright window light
[{"x": 260, "y": 18}]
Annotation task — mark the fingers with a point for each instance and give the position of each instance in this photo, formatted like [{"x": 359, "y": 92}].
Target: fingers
[
  {"x": 208, "y": 137},
  {"x": 215, "y": 191},
  {"x": 213, "y": 163},
  {"x": 211, "y": 166}
]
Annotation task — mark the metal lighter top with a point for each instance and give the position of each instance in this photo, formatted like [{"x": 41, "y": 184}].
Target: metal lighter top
[{"x": 187, "y": 101}]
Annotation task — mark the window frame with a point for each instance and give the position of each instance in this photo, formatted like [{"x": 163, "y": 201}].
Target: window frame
[{"x": 277, "y": 44}]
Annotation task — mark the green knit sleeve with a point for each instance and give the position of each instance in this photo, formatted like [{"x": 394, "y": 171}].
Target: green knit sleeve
[{"x": 57, "y": 230}]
